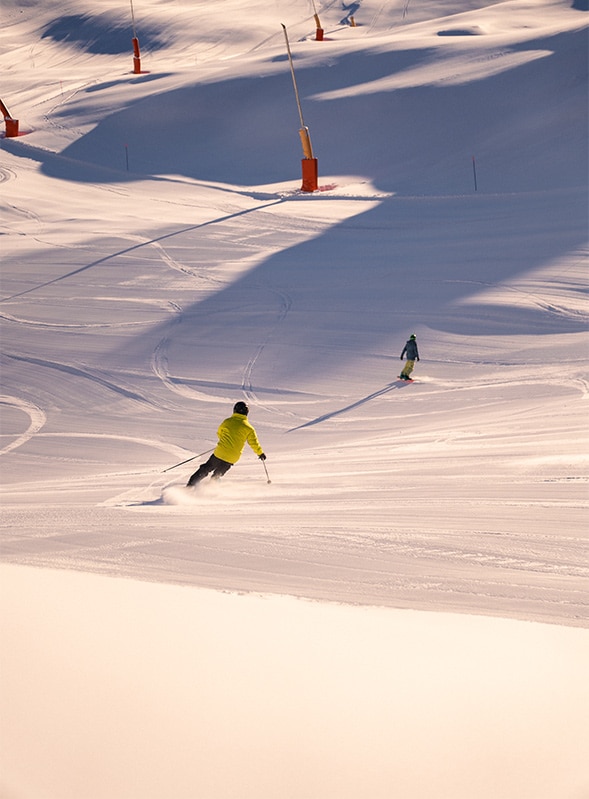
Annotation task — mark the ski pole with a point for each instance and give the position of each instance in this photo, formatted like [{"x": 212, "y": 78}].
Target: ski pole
[
  {"x": 266, "y": 470},
  {"x": 194, "y": 457}
]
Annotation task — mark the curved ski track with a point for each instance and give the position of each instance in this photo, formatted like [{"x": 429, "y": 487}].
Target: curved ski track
[
  {"x": 36, "y": 416},
  {"x": 246, "y": 383},
  {"x": 78, "y": 372}
]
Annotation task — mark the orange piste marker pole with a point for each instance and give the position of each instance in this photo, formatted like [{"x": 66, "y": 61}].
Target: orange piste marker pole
[{"x": 309, "y": 162}]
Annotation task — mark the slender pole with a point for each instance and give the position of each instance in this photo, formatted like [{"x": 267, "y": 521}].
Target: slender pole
[
  {"x": 294, "y": 81},
  {"x": 474, "y": 173},
  {"x": 194, "y": 457},
  {"x": 316, "y": 15},
  {"x": 266, "y": 470},
  {"x": 133, "y": 20}
]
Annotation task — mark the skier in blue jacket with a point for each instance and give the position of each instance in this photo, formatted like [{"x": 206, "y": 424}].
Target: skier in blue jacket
[{"x": 410, "y": 349}]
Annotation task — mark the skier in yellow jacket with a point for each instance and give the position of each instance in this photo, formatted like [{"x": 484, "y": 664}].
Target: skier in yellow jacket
[{"x": 233, "y": 434}]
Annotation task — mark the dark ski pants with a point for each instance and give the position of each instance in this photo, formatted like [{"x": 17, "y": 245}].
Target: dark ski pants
[{"x": 214, "y": 465}]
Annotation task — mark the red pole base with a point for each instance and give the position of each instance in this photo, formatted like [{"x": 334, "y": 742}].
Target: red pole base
[
  {"x": 136, "y": 56},
  {"x": 319, "y": 35},
  {"x": 309, "y": 174},
  {"x": 11, "y": 127}
]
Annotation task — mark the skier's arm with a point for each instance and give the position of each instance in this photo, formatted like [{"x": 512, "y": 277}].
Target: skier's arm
[{"x": 252, "y": 440}]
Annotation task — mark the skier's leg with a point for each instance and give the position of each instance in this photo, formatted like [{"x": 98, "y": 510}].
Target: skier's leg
[
  {"x": 202, "y": 471},
  {"x": 221, "y": 468},
  {"x": 407, "y": 369}
]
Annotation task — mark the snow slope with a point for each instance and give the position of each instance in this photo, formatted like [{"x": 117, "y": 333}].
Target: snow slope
[
  {"x": 159, "y": 262},
  {"x": 138, "y": 305}
]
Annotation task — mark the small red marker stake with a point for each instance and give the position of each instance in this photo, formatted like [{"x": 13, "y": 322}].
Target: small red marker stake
[{"x": 11, "y": 124}]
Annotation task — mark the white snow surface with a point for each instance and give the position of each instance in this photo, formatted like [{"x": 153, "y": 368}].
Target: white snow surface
[{"x": 160, "y": 262}]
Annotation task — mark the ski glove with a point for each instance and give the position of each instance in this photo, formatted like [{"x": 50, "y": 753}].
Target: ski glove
[{"x": 262, "y": 457}]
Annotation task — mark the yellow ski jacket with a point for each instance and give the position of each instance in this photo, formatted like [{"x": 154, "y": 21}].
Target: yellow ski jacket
[{"x": 233, "y": 433}]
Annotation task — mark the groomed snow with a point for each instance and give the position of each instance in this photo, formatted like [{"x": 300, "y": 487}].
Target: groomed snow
[{"x": 159, "y": 262}]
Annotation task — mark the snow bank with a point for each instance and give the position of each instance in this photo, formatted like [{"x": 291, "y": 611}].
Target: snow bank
[{"x": 114, "y": 688}]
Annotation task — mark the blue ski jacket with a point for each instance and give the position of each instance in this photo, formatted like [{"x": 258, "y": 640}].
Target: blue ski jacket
[{"x": 411, "y": 350}]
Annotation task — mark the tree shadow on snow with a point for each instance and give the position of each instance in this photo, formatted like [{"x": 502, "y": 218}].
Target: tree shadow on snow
[{"x": 103, "y": 34}]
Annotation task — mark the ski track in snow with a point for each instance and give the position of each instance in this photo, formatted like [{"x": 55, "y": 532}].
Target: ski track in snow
[
  {"x": 160, "y": 368},
  {"x": 247, "y": 385},
  {"x": 6, "y": 174},
  {"x": 76, "y": 371},
  {"x": 160, "y": 363},
  {"x": 526, "y": 576},
  {"x": 75, "y": 326},
  {"x": 37, "y": 420},
  {"x": 143, "y": 242}
]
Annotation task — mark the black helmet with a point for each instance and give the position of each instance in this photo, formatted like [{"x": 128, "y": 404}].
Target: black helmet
[{"x": 241, "y": 407}]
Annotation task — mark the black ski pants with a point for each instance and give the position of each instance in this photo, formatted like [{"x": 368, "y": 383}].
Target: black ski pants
[{"x": 214, "y": 465}]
